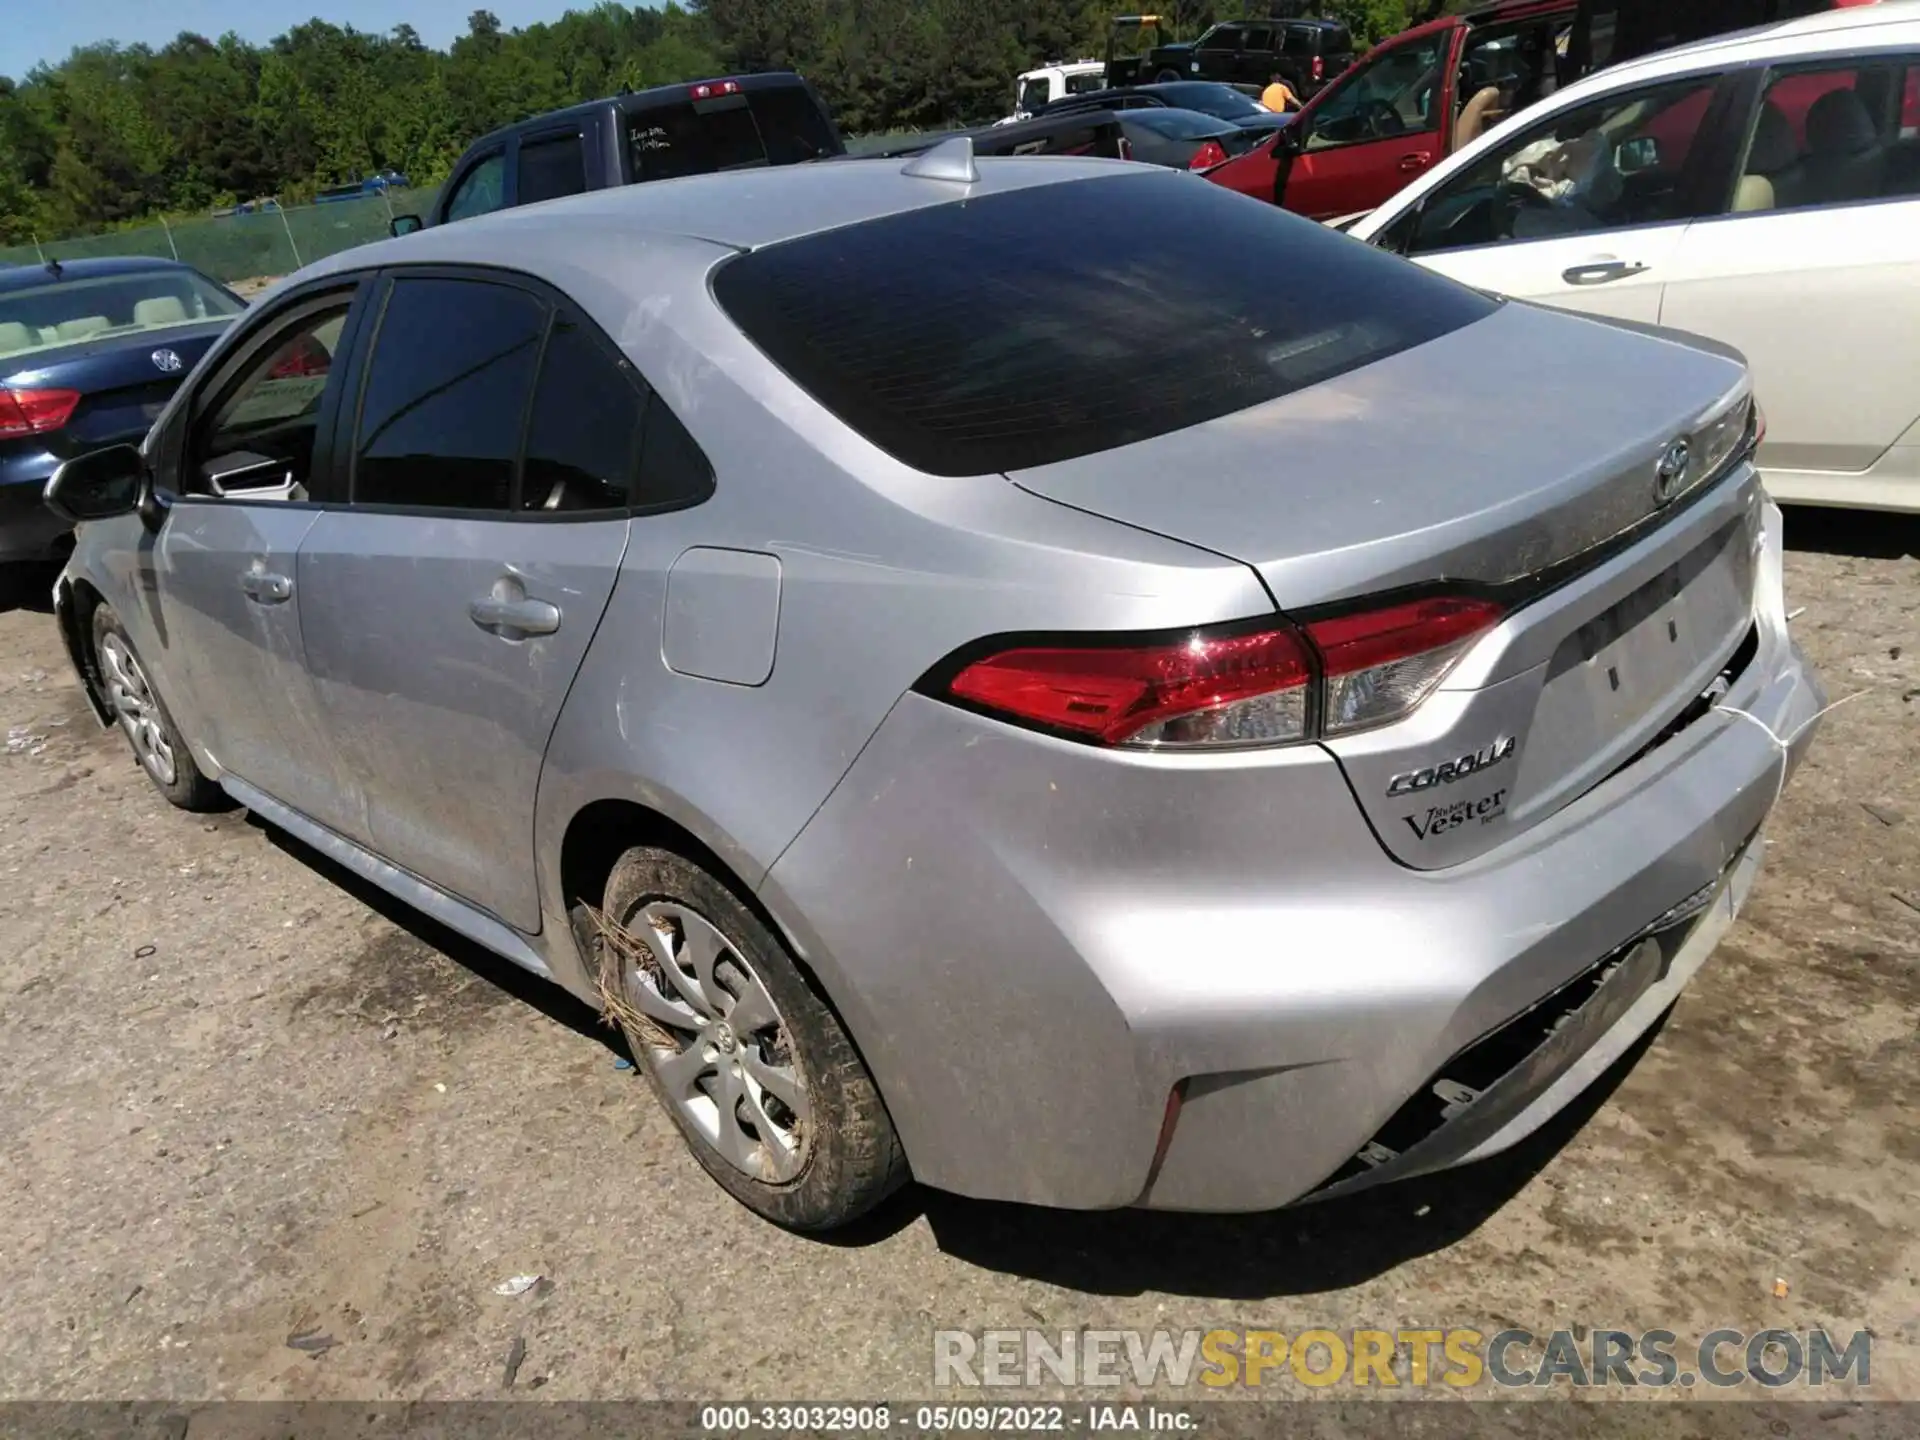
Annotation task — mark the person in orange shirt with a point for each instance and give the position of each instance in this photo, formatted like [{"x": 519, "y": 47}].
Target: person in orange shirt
[{"x": 1279, "y": 97}]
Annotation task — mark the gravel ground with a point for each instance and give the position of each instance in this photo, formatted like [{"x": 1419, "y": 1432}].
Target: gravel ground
[{"x": 246, "y": 1102}]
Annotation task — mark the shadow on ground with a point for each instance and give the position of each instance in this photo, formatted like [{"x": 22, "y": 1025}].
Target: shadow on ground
[
  {"x": 549, "y": 999},
  {"x": 27, "y": 587},
  {"x": 1870, "y": 534}
]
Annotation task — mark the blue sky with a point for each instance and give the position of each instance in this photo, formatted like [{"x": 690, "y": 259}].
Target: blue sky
[{"x": 55, "y": 28}]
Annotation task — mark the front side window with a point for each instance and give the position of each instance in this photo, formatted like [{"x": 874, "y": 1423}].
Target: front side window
[
  {"x": 482, "y": 189},
  {"x": 1607, "y": 165},
  {"x": 550, "y": 167},
  {"x": 1830, "y": 136},
  {"x": 1396, "y": 94},
  {"x": 1042, "y": 324},
  {"x": 1034, "y": 94},
  {"x": 74, "y": 310},
  {"x": 259, "y": 435},
  {"x": 445, "y": 394}
]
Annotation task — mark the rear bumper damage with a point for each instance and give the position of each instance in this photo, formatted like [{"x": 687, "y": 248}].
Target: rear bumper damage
[{"x": 1035, "y": 942}]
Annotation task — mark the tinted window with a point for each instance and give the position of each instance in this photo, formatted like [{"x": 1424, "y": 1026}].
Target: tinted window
[
  {"x": 1831, "y": 136},
  {"x": 551, "y": 167},
  {"x": 673, "y": 468},
  {"x": 271, "y": 411},
  {"x": 776, "y": 126},
  {"x": 1179, "y": 124},
  {"x": 445, "y": 396},
  {"x": 1301, "y": 40},
  {"x": 585, "y": 433},
  {"x": 1034, "y": 326},
  {"x": 482, "y": 189},
  {"x": 1258, "y": 37},
  {"x": 1222, "y": 37}
]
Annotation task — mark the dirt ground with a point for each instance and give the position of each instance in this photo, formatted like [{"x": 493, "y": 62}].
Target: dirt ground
[{"x": 243, "y": 1101}]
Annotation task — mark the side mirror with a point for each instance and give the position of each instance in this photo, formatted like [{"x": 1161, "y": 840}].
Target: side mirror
[
  {"x": 98, "y": 485},
  {"x": 1636, "y": 155},
  {"x": 405, "y": 225}
]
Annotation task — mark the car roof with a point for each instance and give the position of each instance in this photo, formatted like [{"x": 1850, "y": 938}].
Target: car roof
[
  {"x": 634, "y": 100},
  {"x": 26, "y": 277},
  {"x": 741, "y": 209}
]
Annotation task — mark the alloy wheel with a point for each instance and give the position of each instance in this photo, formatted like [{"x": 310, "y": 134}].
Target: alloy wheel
[
  {"x": 133, "y": 702},
  {"x": 727, "y": 1063}
]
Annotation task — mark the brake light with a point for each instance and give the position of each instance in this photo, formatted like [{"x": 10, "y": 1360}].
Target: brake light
[
  {"x": 713, "y": 89},
  {"x": 34, "y": 412},
  {"x": 1380, "y": 664},
  {"x": 1319, "y": 67},
  {"x": 1233, "y": 687},
  {"x": 1207, "y": 156}
]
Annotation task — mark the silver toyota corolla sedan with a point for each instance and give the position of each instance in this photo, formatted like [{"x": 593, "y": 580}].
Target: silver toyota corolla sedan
[{"x": 1040, "y": 675}]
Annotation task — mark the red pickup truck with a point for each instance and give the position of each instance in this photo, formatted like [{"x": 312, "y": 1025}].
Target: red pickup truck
[{"x": 1416, "y": 98}]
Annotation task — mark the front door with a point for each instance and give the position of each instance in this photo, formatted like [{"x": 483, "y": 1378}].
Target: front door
[
  {"x": 1586, "y": 209},
  {"x": 1374, "y": 130},
  {"x": 447, "y": 608},
  {"x": 228, "y": 606}
]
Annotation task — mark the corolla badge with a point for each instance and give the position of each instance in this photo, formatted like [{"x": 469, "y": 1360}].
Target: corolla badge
[
  {"x": 167, "y": 360},
  {"x": 1670, "y": 475}
]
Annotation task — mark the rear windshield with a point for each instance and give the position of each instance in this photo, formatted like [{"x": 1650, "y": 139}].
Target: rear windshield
[
  {"x": 1179, "y": 124},
  {"x": 67, "y": 312},
  {"x": 1038, "y": 325},
  {"x": 778, "y": 125}
]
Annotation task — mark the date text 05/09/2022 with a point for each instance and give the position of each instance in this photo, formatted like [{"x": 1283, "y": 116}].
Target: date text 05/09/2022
[{"x": 877, "y": 1419}]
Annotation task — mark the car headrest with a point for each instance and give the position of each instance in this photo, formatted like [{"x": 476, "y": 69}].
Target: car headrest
[
  {"x": 1774, "y": 146},
  {"x": 160, "y": 310},
  {"x": 1838, "y": 124},
  {"x": 15, "y": 336}
]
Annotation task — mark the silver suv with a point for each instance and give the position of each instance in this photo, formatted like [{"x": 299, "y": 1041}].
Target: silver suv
[{"x": 1038, "y": 671}]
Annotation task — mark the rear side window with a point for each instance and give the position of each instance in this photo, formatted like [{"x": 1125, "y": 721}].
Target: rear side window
[
  {"x": 550, "y": 167},
  {"x": 584, "y": 437},
  {"x": 1302, "y": 40},
  {"x": 445, "y": 395},
  {"x": 1043, "y": 324}
]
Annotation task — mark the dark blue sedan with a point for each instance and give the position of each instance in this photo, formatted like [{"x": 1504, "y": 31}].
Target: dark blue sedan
[{"x": 90, "y": 350}]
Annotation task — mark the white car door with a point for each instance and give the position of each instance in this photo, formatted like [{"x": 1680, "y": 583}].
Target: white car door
[
  {"x": 1816, "y": 280},
  {"x": 1585, "y": 208}
]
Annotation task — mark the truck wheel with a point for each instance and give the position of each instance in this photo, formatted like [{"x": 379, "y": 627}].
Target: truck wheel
[
  {"x": 1168, "y": 77},
  {"x": 143, "y": 717},
  {"x": 750, "y": 1062}
]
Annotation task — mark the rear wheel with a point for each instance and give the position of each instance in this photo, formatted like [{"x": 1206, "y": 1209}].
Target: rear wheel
[
  {"x": 1167, "y": 77},
  {"x": 753, "y": 1066},
  {"x": 156, "y": 740}
]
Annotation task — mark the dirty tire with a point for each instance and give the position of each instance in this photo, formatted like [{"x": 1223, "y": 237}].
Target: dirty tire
[
  {"x": 185, "y": 787},
  {"x": 851, "y": 1158}
]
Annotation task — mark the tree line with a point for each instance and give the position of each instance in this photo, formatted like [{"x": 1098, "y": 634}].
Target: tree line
[{"x": 115, "y": 134}]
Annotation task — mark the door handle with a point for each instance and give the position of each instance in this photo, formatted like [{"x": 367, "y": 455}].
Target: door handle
[
  {"x": 1416, "y": 161},
  {"x": 1599, "y": 272},
  {"x": 508, "y": 613},
  {"x": 266, "y": 587}
]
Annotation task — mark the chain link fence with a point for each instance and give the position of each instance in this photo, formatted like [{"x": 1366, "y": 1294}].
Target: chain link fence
[{"x": 236, "y": 248}]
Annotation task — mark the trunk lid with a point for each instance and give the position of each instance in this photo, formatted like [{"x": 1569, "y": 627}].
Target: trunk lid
[
  {"x": 123, "y": 386},
  {"x": 1505, "y": 454}
]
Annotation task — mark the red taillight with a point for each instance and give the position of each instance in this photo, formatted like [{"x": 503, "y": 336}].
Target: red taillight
[
  {"x": 1199, "y": 690},
  {"x": 1379, "y": 664},
  {"x": 1207, "y": 156},
  {"x": 34, "y": 412},
  {"x": 713, "y": 89},
  {"x": 1319, "y": 67},
  {"x": 1207, "y": 690}
]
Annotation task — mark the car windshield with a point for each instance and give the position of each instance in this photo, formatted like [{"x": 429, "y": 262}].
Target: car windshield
[
  {"x": 778, "y": 125},
  {"x": 72, "y": 310},
  {"x": 1055, "y": 321}
]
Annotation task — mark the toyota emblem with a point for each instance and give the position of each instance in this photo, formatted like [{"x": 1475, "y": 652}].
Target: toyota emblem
[
  {"x": 166, "y": 360},
  {"x": 1670, "y": 475}
]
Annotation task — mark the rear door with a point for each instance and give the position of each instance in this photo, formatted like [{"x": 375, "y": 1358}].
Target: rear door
[
  {"x": 1815, "y": 277},
  {"x": 1217, "y": 53},
  {"x": 1586, "y": 209},
  {"x": 1254, "y": 61},
  {"x": 448, "y": 606},
  {"x": 1360, "y": 140}
]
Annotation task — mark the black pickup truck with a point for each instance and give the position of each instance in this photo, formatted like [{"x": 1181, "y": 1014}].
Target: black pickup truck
[
  {"x": 657, "y": 134},
  {"x": 1309, "y": 53}
]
